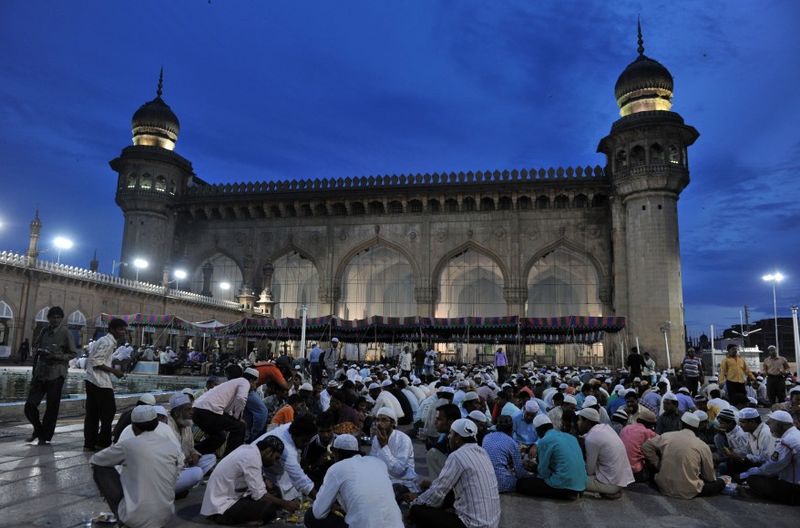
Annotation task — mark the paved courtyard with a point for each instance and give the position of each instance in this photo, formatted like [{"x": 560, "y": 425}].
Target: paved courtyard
[{"x": 52, "y": 487}]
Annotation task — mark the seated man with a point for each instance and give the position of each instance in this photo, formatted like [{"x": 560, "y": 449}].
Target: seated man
[
  {"x": 236, "y": 492},
  {"x": 295, "y": 406},
  {"x": 357, "y": 487},
  {"x": 384, "y": 398},
  {"x": 437, "y": 454},
  {"x": 394, "y": 447},
  {"x": 560, "y": 471},
  {"x": 670, "y": 419},
  {"x": 505, "y": 455},
  {"x": 125, "y": 417},
  {"x": 482, "y": 421},
  {"x": 685, "y": 468},
  {"x": 317, "y": 454},
  {"x": 778, "y": 479},
  {"x": 143, "y": 494},
  {"x": 633, "y": 436},
  {"x": 731, "y": 442},
  {"x": 469, "y": 478},
  {"x": 287, "y": 472},
  {"x": 219, "y": 411},
  {"x": 606, "y": 459},
  {"x": 524, "y": 431},
  {"x": 760, "y": 441},
  {"x": 196, "y": 466}
]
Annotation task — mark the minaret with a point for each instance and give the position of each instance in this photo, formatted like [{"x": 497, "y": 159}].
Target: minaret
[
  {"x": 152, "y": 177},
  {"x": 646, "y": 157},
  {"x": 94, "y": 264},
  {"x": 33, "y": 240}
]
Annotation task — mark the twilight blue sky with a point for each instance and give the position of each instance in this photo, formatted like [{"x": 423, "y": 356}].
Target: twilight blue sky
[{"x": 276, "y": 89}]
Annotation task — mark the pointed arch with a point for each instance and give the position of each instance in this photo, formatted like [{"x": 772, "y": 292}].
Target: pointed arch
[
  {"x": 226, "y": 271},
  {"x": 466, "y": 246},
  {"x": 375, "y": 241},
  {"x": 76, "y": 318},
  {"x": 295, "y": 282},
  {"x": 41, "y": 315},
  {"x": 470, "y": 281},
  {"x": 290, "y": 247},
  {"x": 6, "y": 312}
]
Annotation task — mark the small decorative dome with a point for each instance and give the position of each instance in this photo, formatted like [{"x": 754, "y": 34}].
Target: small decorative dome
[
  {"x": 154, "y": 124},
  {"x": 645, "y": 85}
]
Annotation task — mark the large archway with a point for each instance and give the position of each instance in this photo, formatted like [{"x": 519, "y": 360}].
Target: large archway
[
  {"x": 378, "y": 280},
  {"x": 471, "y": 285},
  {"x": 295, "y": 282},
  {"x": 563, "y": 282},
  {"x": 218, "y": 276}
]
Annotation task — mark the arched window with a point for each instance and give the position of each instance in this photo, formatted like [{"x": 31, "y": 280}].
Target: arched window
[
  {"x": 674, "y": 155},
  {"x": 563, "y": 283},
  {"x": 41, "y": 315},
  {"x": 395, "y": 207},
  {"x": 434, "y": 206},
  {"x": 76, "y": 322},
  {"x": 543, "y": 202},
  {"x": 376, "y": 208},
  {"x": 471, "y": 285},
  {"x": 295, "y": 282},
  {"x": 161, "y": 184},
  {"x": 172, "y": 188},
  {"x": 6, "y": 320},
  {"x": 132, "y": 180},
  {"x": 524, "y": 203},
  {"x": 414, "y": 206},
  {"x": 468, "y": 204},
  {"x": 637, "y": 155},
  {"x": 305, "y": 210},
  {"x": 357, "y": 208},
  {"x": 339, "y": 209},
  {"x": 377, "y": 281},
  {"x": 561, "y": 202},
  {"x": 505, "y": 203},
  {"x": 487, "y": 204},
  {"x": 147, "y": 182},
  {"x": 622, "y": 159},
  {"x": 218, "y": 276},
  {"x": 451, "y": 205},
  {"x": 580, "y": 201},
  {"x": 321, "y": 209},
  {"x": 656, "y": 153}
]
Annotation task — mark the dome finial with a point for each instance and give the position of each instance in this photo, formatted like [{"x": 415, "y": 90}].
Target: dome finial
[
  {"x": 160, "y": 88},
  {"x": 640, "y": 49}
]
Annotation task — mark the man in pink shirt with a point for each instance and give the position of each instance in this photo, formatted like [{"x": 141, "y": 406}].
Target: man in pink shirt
[{"x": 633, "y": 436}]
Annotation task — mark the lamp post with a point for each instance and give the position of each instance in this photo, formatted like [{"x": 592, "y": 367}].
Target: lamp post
[
  {"x": 774, "y": 278},
  {"x": 139, "y": 264},
  {"x": 60, "y": 243},
  {"x": 796, "y": 339},
  {"x": 179, "y": 276}
]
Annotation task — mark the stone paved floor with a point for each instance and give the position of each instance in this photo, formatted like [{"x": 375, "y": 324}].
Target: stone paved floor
[{"x": 52, "y": 487}]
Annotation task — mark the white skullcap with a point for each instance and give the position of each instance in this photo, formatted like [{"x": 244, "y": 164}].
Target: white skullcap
[
  {"x": 147, "y": 399},
  {"x": 189, "y": 391},
  {"x": 684, "y": 390},
  {"x": 670, "y": 397},
  {"x": 471, "y": 396},
  {"x": 569, "y": 398},
  {"x": 448, "y": 390},
  {"x": 345, "y": 442},
  {"x": 386, "y": 383},
  {"x": 748, "y": 413},
  {"x": 590, "y": 414},
  {"x": 335, "y": 340},
  {"x": 333, "y": 385},
  {"x": 416, "y": 381},
  {"x": 143, "y": 414},
  {"x": 396, "y": 378},
  {"x": 373, "y": 386},
  {"x": 178, "y": 399},
  {"x": 306, "y": 387},
  {"x": 250, "y": 371},
  {"x": 531, "y": 406},
  {"x": 160, "y": 410},
  {"x": 701, "y": 415},
  {"x": 563, "y": 386},
  {"x": 691, "y": 419},
  {"x": 780, "y": 416},
  {"x": 540, "y": 420},
  {"x": 478, "y": 416},
  {"x": 464, "y": 428},
  {"x": 620, "y": 390},
  {"x": 387, "y": 411},
  {"x": 590, "y": 401}
]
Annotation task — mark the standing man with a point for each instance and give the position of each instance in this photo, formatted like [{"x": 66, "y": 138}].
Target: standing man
[
  {"x": 775, "y": 369},
  {"x": 405, "y": 363},
  {"x": 314, "y": 363},
  {"x": 52, "y": 351},
  {"x": 419, "y": 360},
  {"x": 24, "y": 350},
  {"x": 332, "y": 358},
  {"x": 501, "y": 364},
  {"x": 219, "y": 411},
  {"x": 692, "y": 371},
  {"x": 100, "y": 404},
  {"x": 635, "y": 363},
  {"x": 733, "y": 374}
]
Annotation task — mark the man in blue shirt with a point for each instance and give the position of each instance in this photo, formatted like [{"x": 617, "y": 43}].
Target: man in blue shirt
[
  {"x": 561, "y": 471},
  {"x": 505, "y": 456},
  {"x": 315, "y": 364},
  {"x": 524, "y": 431},
  {"x": 685, "y": 401}
]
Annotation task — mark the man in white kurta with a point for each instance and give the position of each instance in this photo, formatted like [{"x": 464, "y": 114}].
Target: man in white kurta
[
  {"x": 395, "y": 449},
  {"x": 358, "y": 486},
  {"x": 287, "y": 473},
  {"x": 143, "y": 494}
]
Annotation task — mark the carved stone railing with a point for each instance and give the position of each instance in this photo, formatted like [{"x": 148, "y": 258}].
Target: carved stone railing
[
  {"x": 403, "y": 180},
  {"x": 86, "y": 275}
]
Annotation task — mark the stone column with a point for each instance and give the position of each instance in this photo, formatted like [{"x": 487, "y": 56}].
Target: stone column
[{"x": 208, "y": 271}]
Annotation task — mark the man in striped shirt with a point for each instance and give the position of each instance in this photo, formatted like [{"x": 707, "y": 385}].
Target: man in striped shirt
[
  {"x": 692, "y": 371},
  {"x": 468, "y": 473}
]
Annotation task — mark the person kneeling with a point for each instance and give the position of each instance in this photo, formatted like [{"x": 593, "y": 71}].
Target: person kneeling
[
  {"x": 362, "y": 487},
  {"x": 236, "y": 492},
  {"x": 561, "y": 473},
  {"x": 143, "y": 494}
]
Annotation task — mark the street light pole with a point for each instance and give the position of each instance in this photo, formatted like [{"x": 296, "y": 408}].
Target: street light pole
[
  {"x": 774, "y": 278},
  {"x": 796, "y": 340}
]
